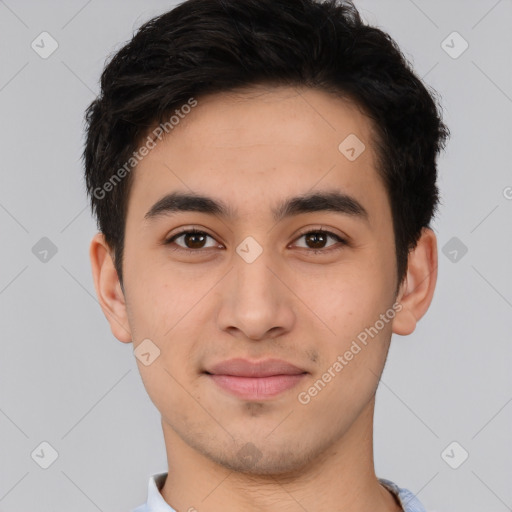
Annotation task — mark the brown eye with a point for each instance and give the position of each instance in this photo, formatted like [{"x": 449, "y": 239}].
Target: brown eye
[
  {"x": 317, "y": 239},
  {"x": 193, "y": 240}
]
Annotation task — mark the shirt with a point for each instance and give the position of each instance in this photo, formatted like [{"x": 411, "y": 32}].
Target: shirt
[{"x": 156, "y": 503}]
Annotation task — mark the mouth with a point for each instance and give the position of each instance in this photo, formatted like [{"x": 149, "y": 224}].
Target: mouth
[{"x": 258, "y": 380}]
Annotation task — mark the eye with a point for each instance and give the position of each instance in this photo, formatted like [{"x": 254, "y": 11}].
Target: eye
[
  {"x": 193, "y": 240},
  {"x": 318, "y": 238}
]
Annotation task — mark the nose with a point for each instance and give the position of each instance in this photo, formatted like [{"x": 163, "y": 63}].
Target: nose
[{"x": 256, "y": 304}]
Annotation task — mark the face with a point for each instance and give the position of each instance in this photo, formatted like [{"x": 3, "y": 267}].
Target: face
[{"x": 261, "y": 280}]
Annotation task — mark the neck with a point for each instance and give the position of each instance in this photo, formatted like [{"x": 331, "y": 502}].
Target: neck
[{"x": 340, "y": 478}]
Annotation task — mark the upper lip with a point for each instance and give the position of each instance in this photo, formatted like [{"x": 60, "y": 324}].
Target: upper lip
[{"x": 245, "y": 368}]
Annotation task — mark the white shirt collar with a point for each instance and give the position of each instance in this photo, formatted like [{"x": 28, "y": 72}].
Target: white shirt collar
[{"x": 156, "y": 502}]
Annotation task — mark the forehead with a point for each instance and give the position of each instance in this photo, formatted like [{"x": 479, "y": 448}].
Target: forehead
[{"x": 260, "y": 143}]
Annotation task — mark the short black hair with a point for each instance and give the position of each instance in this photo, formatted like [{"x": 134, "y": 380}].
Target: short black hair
[{"x": 205, "y": 47}]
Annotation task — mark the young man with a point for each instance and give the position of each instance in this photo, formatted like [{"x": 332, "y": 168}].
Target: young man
[{"x": 264, "y": 175}]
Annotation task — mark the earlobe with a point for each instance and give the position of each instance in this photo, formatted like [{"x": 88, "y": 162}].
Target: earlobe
[
  {"x": 418, "y": 288},
  {"x": 108, "y": 288}
]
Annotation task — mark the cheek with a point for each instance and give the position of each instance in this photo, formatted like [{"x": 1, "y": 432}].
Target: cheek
[
  {"x": 343, "y": 300},
  {"x": 349, "y": 307},
  {"x": 160, "y": 295},
  {"x": 163, "y": 311}
]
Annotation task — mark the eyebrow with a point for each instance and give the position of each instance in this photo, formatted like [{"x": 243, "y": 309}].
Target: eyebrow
[{"x": 332, "y": 201}]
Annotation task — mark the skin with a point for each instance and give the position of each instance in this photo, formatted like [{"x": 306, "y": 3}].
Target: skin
[{"x": 252, "y": 150}]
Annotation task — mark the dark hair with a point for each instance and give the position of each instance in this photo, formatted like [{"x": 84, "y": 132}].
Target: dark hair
[{"x": 211, "y": 46}]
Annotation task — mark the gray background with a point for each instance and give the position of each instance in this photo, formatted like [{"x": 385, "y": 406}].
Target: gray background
[{"x": 66, "y": 380}]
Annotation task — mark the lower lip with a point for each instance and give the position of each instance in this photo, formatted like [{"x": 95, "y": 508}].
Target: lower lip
[{"x": 257, "y": 388}]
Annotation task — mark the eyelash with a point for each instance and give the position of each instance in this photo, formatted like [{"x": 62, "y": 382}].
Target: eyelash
[{"x": 340, "y": 240}]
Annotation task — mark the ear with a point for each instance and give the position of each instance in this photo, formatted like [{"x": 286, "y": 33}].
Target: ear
[
  {"x": 108, "y": 288},
  {"x": 417, "y": 289}
]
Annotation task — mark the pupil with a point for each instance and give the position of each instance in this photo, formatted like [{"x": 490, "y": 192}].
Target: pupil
[
  {"x": 314, "y": 237},
  {"x": 196, "y": 240},
  {"x": 192, "y": 236}
]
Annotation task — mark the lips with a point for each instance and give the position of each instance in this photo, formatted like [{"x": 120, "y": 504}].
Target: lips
[
  {"x": 245, "y": 368},
  {"x": 257, "y": 380}
]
